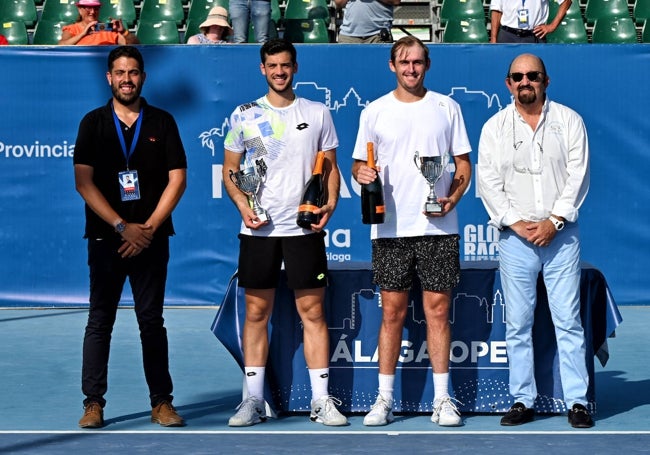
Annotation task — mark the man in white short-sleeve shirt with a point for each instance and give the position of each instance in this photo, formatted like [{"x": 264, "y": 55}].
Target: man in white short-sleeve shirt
[
  {"x": 411, "y": 241},
  {"x": 523, "y": 21},
  {"x": 285, "y": 134}
]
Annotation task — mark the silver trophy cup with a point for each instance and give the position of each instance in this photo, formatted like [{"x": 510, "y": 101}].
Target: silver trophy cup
[
  {"x": 432, "y": 168},
  {"x": 248, "y": 181}
]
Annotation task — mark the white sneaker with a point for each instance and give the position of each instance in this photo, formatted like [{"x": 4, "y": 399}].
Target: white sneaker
[
  {"x": 324, "y": 411},
  {"x": 445, "y": 413},
  {"x": 381, "y": 413},
  {"x": 249, "y": 412}
]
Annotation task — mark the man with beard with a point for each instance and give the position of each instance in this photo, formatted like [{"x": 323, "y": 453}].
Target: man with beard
[
  {"x": 130, "y": 169},
  {"x": 412, "y": 241},
  {"x": 533, "y": 176},
  {"x": 283, "y": 133}
]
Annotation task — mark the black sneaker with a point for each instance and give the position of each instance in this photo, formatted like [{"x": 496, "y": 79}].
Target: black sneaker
[
  {"x": 579, "y": 417},
  {"x": 517, "y": 415}
]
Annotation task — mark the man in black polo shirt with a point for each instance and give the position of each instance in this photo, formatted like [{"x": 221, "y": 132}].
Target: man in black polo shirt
[
  {"x": 523, "y": 21},
  {"x": 130, "y": 169}
]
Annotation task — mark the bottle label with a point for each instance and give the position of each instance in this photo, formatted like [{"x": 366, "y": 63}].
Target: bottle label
[
  {"x": 380, "y": 209},
  {"x": 307, "y": 208}
]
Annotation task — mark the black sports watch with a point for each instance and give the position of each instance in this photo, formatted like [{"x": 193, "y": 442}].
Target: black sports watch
[{"x": 559, "y": 225}]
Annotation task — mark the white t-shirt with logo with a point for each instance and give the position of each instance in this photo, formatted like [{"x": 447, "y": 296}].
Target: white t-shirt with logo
[
  {"x": 287, "y": 139},
  {"x": 432, "y": 126}
]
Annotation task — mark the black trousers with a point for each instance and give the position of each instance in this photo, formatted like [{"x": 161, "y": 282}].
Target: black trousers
[
  {"x": 507, "y": 35},
  {"x": 147, "y": 275}
]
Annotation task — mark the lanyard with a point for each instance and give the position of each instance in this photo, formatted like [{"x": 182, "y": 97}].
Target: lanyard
[{"x": 120, "y": 135}]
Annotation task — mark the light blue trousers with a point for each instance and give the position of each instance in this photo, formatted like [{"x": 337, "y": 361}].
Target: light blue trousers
[{"x": 520, "y": 263}]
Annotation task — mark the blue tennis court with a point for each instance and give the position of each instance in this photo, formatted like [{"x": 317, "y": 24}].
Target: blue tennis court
[{"x": 40, "y": 399}]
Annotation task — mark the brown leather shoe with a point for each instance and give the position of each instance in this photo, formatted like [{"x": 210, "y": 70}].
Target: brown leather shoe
[
  {"x": 93, "y": 416},
  {"x": 165, "y": 414}
]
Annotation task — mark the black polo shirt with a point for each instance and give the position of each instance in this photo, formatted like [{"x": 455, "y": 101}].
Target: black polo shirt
[{"x": 159, "y": 150}]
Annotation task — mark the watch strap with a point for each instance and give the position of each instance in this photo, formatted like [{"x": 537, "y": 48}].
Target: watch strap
[{"x": 558, "y": 224}]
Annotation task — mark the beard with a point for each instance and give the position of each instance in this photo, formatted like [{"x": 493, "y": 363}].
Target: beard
[
  {"x": 123, "y": 99},
  {"x": 527, "y": 95}
]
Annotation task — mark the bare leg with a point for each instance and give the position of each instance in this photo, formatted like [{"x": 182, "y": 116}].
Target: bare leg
[{"x": 394, "y": 306}]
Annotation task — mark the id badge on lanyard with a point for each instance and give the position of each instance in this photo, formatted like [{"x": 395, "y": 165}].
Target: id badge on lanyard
[
  {"x": 128, "y": 180},
  {"x": 522, "y": 16},
  {"x": 129, "y": 185}
]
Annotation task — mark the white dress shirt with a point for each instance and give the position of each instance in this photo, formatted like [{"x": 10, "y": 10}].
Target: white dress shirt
[{"x": 528, "y": 175}]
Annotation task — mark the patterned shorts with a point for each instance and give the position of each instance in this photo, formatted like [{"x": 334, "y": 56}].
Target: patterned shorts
[{"x": 435, "y": 259}]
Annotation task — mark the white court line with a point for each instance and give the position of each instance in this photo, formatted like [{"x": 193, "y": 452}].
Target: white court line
[{"x": 337, "y": 432}]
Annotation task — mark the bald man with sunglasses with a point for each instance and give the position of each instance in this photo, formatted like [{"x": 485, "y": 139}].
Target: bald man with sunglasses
[{"x": 533, "y": 176}]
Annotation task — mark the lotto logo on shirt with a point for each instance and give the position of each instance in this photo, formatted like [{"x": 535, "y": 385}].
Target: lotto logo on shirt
[{"x": 480, "y": 243}]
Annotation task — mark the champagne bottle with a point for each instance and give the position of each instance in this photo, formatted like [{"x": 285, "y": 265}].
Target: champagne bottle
[
  {"x": 312, "y": 196},
  {"x": 372, "y": 194}
]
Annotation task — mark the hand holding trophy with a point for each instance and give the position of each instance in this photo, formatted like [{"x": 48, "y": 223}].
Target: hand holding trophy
[
  {"x": 432, "y": 168},
  {"x": 248, "y": 181}
]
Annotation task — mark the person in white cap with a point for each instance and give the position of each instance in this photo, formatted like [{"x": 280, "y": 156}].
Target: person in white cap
[
  {"x": 88, "y": 31},
  {"x": 214, "y": 30}
]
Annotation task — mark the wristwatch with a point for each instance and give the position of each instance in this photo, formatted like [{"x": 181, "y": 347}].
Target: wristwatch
[
  {"x": 559, "y": 225},
  {"x": 120, "y": 227}
]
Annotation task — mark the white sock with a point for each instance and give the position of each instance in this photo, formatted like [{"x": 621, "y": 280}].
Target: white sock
[
  {"x": 319, "y": 378},
  {"x": 440, "y": 386},
  {"x": 386, "y": 384},
  {"x": 255, "y": 381}
]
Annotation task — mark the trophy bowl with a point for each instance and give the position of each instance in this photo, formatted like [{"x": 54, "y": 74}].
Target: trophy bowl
[
  {"x": 248, "y": 181},
  {"x": 431, "y": 168}
]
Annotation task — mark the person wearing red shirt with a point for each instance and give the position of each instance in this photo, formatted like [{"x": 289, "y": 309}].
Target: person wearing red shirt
[{"x": 87, "y": 31}]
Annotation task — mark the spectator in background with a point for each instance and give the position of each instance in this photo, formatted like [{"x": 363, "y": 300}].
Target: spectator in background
[
  {"x": 3, "y": 40},
  {"x": 285, "y": 132},
  {"x": 214, "y": 30},
  {"x": 366, "y": 21},
  {"x": 533, "y": 176},
  {"x": 88, "y": 31},
  {"x": 243, "y": 12},
  {"x": 523, "y": 21}
]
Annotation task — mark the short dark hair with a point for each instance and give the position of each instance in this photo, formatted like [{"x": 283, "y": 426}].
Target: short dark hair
[
  {"x": 275, "y": 46},
  {"x": 125, "y": 51},
  {"x": 408, "y": 41}
]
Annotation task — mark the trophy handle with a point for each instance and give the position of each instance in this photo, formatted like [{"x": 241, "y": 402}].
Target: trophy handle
[
  {"x": 416, "y": 159},
  {"x": 232, "y": 178}
]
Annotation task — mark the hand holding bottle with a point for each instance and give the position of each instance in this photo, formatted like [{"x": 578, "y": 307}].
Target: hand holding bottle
[{"x": 372, "y": 193}]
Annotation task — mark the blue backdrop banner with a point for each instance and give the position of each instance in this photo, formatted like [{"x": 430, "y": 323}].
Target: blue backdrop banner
[{"x": 45, "y": 91}]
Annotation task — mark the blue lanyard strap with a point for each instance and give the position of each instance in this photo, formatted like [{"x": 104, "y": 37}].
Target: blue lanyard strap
[{"x": 120, "y": 135}]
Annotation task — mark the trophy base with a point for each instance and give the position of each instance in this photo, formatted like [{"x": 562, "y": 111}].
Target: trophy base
[
  {"x": 433, "y": 207},
  {"x": 263, "y": 217}
]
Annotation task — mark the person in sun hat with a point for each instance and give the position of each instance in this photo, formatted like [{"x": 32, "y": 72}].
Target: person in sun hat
[
  {"x": 214, "y": 30},
  {"x": 88, "y": 31}
]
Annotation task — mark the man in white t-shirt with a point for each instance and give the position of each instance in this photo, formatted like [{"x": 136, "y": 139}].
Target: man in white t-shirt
[
  {"x": 407, "y": 120},
  {"x": 523, "y": 21},
  {"x": 282, "y": 134}
]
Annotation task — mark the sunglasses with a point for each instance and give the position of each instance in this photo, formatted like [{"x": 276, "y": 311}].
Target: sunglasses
[{"x": 533, "y": 76}]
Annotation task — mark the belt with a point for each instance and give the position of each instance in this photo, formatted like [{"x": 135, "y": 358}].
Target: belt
[{"x": 517, "y": 31}]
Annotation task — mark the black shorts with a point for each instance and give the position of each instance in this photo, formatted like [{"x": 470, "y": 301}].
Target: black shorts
[
  {"x": 260, "y": 261},
  {"x": 435, "y": 259}
]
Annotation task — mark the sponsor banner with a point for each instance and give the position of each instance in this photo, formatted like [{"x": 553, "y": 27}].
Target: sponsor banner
[
  {"x": 45, "y": 91},
  {"x": 478, "y": 359}
]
